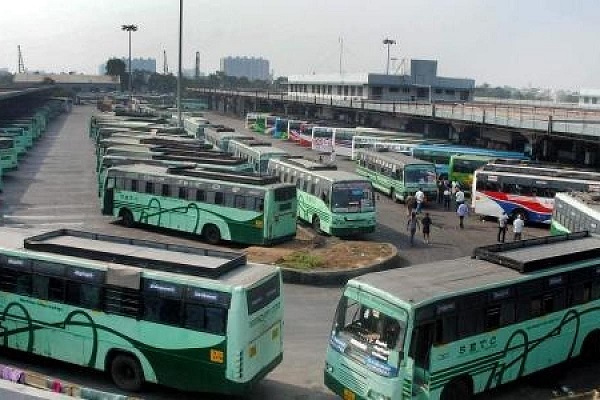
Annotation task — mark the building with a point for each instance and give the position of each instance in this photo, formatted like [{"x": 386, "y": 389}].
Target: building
[
  {"x": 75, "y": 82},
  {"x": 420, "y": 83},
  {"x": 589, "y": 97},
  {"x": 137, "y": 64},
  {"x": 248, "y": 67}
]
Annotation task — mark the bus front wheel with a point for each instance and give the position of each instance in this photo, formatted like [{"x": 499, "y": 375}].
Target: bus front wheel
[
  {"x": 126, "y": 373},
  {"x": 590, "y": 350},
  {"x": 211, "y": 234},
  {"x": 127, "y": 218},
  {"x": 393, "y": 195},
  {"x": 457, "y": 390}
]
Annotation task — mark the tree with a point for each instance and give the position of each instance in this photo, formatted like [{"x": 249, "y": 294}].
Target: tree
[{"x": 116, "y": 67}]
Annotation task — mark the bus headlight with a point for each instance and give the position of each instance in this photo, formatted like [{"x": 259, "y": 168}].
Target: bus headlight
[
  {"x": 328, "y": 368},
  {"x": 377, "y": 396},
  {"x": 252, "y": 350}
]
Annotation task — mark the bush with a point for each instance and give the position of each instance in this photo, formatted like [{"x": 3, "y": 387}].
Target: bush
[{"x": 301, "y": 260}]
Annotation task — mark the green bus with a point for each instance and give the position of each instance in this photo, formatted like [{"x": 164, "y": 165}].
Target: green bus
[
  {"x": 396, "y": 174},
  {"x": 8, "y": 153},
  {"x": 242, "y": 208},
  {"x": 256, "y": 152},
  {"x": 195, "y": 126},
  {"x": 575, "y": 212},
  {"x": 337, "y": 203},
  {"x": 191, "y": 318},
  {"x": 462, "y": 166},
  {"x": 221, "y": 138},
  {"x": 456, "y": 328},
  {"x": 227, "y": 164},
  {"x": 23, "y": 141}
]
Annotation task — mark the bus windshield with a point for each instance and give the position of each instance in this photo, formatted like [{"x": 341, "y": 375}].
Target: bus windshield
[
  {"x": 352, "y": 197},
  {"x": 419, "y": 174},
  {"x": 369, "y": 335}
]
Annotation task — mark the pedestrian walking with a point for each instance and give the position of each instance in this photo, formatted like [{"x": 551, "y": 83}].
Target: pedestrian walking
[
  {"x": 518, "y": 225},
  {"x": 462, "y": 211},
  {"x": 412, "y": 225},
  {"x": 502, "y": 221},
  {"x": 447, "y": 197},
  {"x": 420, "y": 198},
  {"x": 459, "y": 196},
  {"x": 411, "y": 204},
  {"x": 440, "y": 191},
  {"x": 426, "y": 222}
]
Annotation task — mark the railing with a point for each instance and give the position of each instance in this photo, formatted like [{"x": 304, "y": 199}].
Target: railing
[{"x": 531, "y": 117}]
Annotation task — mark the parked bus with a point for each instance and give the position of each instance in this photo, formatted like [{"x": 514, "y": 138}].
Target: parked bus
[
  {"x": 256, "y": 152},
  {"x": 462, "y": 166},
  {"x": 576, "y": 212},
  {"x": 440, "y": 155},
  {"x": 293, "y": 129},
  {"x": 279, "y": 128},
  {"x": 322, "y": 139},
  {"x": 397, "y": 175},
  {"x": 8, "y": 153},
  {"x": 220, "y": 139},
  {"x": 375, "y": 143},
  {"x": 194, "y": 126},
  {"x": 335, "y": 202},
  {"x": 527, "y": 190},
  {"x": 304, "y": 135},
  {"x": 252, "y": 118},
  {"x": 455, "y": 328},
  {"x": 191, "y": 318},
  {"x": 238, "y": 207}
]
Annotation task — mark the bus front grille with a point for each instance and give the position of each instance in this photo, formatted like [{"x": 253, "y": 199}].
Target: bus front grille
[{"x": 352, "y": 380}]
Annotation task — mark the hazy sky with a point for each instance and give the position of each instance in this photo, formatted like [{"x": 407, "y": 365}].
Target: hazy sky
[{"x": 548, "y": 43}]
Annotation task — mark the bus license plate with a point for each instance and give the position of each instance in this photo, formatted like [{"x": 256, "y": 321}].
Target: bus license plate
[{"x": 349, "y": 394}]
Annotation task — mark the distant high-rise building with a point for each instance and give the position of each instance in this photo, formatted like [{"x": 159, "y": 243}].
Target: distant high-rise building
[{"x": 249, "y": 67}]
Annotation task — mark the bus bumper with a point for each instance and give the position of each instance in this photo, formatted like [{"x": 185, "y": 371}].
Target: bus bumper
[
  {"x": 352, "y": 231},
  {"x": 235, "y": 388},
  {"x": 336, "y": 387}
]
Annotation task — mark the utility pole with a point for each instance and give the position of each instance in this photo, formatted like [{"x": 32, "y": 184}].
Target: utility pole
[
  {"x": 165, "y": 65},
  {"x": 21, "y": 66},
  {"x": 197, "y": 69},
  {"x": 388, "y": 43},
  {"x": 341, "y": 54},
  {"x": 179, "y": 120},
  {"x": 129, "y": 29}
]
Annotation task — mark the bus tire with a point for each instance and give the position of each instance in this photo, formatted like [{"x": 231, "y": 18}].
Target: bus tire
[
  {"x": 458, "y": 389},
  {"x": 316, "y": 224},
  {"x": 590, "y": 349},
  {"x": 126, "y": 372},
  {"x": 393, "y": 195},
  {"x": 127, "y": 218},
  {"x": 521, "y": 212},
  {"x": 211, "y": 234}
]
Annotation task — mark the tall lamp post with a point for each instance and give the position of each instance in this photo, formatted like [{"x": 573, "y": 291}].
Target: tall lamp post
[
  {"x": 179, "y": 120},
  {"x": 388, "y": 43},
  {"x": 129, "y": 29}
]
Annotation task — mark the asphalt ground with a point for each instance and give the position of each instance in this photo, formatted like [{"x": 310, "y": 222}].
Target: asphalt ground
[{"x": 55, "y": 186}]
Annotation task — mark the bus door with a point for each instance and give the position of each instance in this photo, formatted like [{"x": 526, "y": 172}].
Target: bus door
[
  {"x": 420, "y": 352},
  {"x": 108, "y": 199}
]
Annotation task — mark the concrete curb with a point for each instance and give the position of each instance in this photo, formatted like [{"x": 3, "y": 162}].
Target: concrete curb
[{"x": 340, "y": 277}]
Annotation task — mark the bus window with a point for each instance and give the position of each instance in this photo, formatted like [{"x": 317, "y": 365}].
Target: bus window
[
  {"x": 421, "y": 344},
  {"x": 446, "y": 329},
  {"x": 183, "y": 193},
  {"x": 48, "y": 288}
]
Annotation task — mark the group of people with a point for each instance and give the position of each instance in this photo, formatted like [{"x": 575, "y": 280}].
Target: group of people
[
  {"x": 447, "y": 191},
  {"x": 518, "y": 226}
]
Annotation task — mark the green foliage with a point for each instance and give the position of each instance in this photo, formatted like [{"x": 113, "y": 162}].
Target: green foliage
[
  {"x": 301, "y": 260},
  {"x": 116, "y": 67}
]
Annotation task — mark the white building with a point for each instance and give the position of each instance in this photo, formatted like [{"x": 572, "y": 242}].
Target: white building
[
  {"x": 589, "y": 97},
  {"x": 420, "y": 83}
]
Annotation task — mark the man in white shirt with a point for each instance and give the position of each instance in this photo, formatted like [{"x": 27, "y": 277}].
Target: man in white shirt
[
  {"x": 502, "y": 220},
  {"x": 420, "y": 198},
  {"x": 460, "y": 197},
  {"x": 518, "y": 225}
]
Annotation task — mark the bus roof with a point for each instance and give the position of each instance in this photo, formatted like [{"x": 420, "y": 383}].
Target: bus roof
[
  {"x": 394, "y": 157},
  {"x": 492, "y": 266},
  {"x": 444, "y": 148},
  {"x": 327, "y": 173},
  {"x": 127, "y": 258},
  {"x": 542, "y": 171},
  {"x": 216, "y": 174},
  {"x": 474, "y": 157}
]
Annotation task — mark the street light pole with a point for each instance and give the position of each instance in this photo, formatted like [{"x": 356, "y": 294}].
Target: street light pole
[
  {"x": 129, "y": 29},
  {"x": 179, "y": 120},
  {"x": 388, "y": 43}
]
